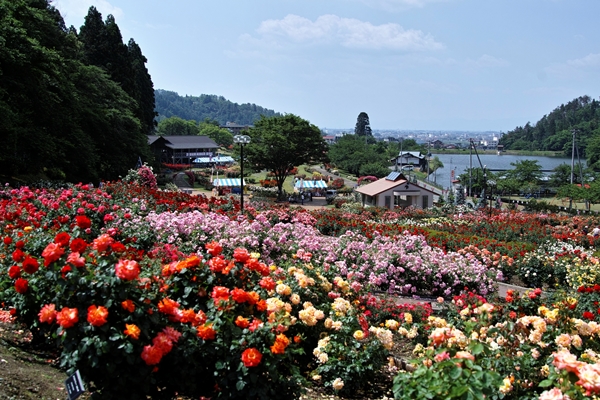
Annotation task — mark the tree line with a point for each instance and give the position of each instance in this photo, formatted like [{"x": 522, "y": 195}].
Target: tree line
[
  {"x": 74, "y": 106},
  {"x": 206, "y": 106},
  {"x": 554, "y": 132}
]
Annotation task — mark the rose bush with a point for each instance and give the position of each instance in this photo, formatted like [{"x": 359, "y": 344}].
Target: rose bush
[{"x": 155, "y": 293}]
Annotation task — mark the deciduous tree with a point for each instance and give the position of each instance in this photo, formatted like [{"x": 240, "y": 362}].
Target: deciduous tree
[{"x": 278, "y": 144}]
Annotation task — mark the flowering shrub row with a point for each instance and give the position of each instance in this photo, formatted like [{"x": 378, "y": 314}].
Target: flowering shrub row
[
  {"x": 532, "y": 346},
  {"x": 151, "y": 293}
]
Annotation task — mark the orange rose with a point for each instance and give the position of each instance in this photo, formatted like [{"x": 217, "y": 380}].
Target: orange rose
[
  {"x": 128, "y": 305},
  {"x": 132, "y": 331},
  {"x": 97, "y": 315},
  {"x": 251, "y": 357},
  {"x": 48, "y": 314},
  {"x": 206, "y": 332},
  {"x": 67, "y": 317}
]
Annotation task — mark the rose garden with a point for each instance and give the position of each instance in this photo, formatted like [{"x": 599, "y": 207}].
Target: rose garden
[{"x": 150, "y": 293}]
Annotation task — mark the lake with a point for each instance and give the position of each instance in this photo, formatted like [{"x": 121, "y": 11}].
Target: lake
[{"x": 462, "y": 162}]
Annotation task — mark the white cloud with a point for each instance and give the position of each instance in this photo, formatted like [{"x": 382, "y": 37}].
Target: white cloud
[
  {"x": 575, "y": 67},
  {"x": 348, "y": 32},
  {"x": 74, "y": 11},
  {"x": 486, "y": 61},
  {"x": 591, "y": 60}
]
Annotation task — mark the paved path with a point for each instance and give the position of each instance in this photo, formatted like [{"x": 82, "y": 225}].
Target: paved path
[{"x": 347, "y": 182}]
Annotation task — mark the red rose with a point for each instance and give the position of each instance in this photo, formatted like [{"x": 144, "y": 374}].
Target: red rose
[
  {"x": 21, "y": 285},
  {"x": 62, "y": 239},
  {"x": 213, "y": 248},
  {"x": 588, "y": 315},
  {"x": 78, "y": 245},
  {"x": 83, "y": 222},
  {"x": 30, "y": 265},
  {"x": 127, "y": 269},
  {"x": 151, "y": 355},
  {"x": 18, "y": 255},
  {"x": 241, "y": 255},
  {"x": 14, "y": 272}
]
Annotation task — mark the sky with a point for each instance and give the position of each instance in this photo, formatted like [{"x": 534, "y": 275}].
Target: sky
[{"x": 449, "y": 65}]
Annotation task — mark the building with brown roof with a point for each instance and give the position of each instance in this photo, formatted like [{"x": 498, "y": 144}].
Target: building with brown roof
[
  {"x": 181, "y": 149},
  {"x": 396, "y": 190}
]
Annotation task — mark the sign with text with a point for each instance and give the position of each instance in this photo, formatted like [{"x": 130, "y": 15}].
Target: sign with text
[{"x": 75, "y": 386}]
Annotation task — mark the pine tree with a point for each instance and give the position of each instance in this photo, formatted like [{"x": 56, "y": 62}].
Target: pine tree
[
  {"x": 144, "y": 88},
  {"x": 363, "y": 127}
]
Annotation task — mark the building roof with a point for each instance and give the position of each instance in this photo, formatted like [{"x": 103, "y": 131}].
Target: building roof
[
  {"x": 380, "y": 186},
  {"x": 384, "y": 184},
  {"x": 185, "y": 141},
  {"x": 416, "y": 154}
]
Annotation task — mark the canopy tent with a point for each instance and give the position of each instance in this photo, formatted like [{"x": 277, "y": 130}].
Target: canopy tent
[
  {"x": 228, "y": 182},
  {"x": 311, "y": 184},
  {"x": 216, "y": 160}
]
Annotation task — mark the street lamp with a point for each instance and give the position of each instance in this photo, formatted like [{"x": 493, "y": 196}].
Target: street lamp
[{"x": 242, "y": 140}]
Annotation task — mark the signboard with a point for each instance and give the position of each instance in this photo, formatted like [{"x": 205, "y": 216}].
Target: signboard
[{"x": 75, "y": 386}]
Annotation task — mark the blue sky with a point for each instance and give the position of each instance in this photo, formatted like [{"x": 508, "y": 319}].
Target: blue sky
[{"x": 472, "y": 65}]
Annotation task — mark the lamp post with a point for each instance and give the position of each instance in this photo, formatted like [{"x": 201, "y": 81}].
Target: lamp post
[{"x": 242, "y": 140}]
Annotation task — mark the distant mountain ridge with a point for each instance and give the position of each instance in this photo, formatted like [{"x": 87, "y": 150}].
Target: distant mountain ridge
[{"x": 198, "y": 108}]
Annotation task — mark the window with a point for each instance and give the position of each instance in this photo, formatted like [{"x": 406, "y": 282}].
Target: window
[{"x": 425, "y": 201}]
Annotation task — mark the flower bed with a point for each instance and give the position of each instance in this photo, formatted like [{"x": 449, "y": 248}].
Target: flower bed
[{"x": 155, "y": 293}]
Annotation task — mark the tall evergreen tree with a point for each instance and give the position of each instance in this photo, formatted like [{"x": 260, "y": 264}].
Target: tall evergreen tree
[
  {"x": 59, "y": 118},
  {"x": 144, "y": 88},
  {"x": 363, "y": 127},
  {"x": 103, "y": 47}
]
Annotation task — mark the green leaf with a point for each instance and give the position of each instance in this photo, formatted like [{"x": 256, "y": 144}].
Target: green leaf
[
  {"x": 240, "y": 385},
  {"x": 476, "y": 348},
  {"x": 458, "y": 391},
  {"x": 455, "y": 373},
  {"x": 546, "y": 383}
]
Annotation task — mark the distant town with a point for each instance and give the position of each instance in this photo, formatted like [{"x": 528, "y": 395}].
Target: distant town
[{"x": 437, "y": 139}]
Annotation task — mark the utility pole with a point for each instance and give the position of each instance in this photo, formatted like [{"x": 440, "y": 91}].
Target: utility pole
[
  {"x": 572, "y": 166},
  {"x": 428, "y": 157},
  {"x": 470, "y": 167}
]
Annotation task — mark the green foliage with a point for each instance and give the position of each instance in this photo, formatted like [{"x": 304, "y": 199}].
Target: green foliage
[
  {"x": 61, "y": 118},
  {"x": 363, "y": 126},
  {"x": 351, "y": 154},
  {"x": 376, "y": 169},
  {"x": 199, "y": 108},
  {"x": 279, "y": 144},
  {"x": 451, "y": 378},
  {"x": 553, "y": 132},
  {"x": 525, "y": 171},
  {"x": 221, "y": 136},
  {"x": 175, "y": 126}
]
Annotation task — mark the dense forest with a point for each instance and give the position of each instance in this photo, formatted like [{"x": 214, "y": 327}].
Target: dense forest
[
  {"x": 205, "y": 106},
  {"x": 74, "y": 106},
  {"x": 554, "y": 132}
]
